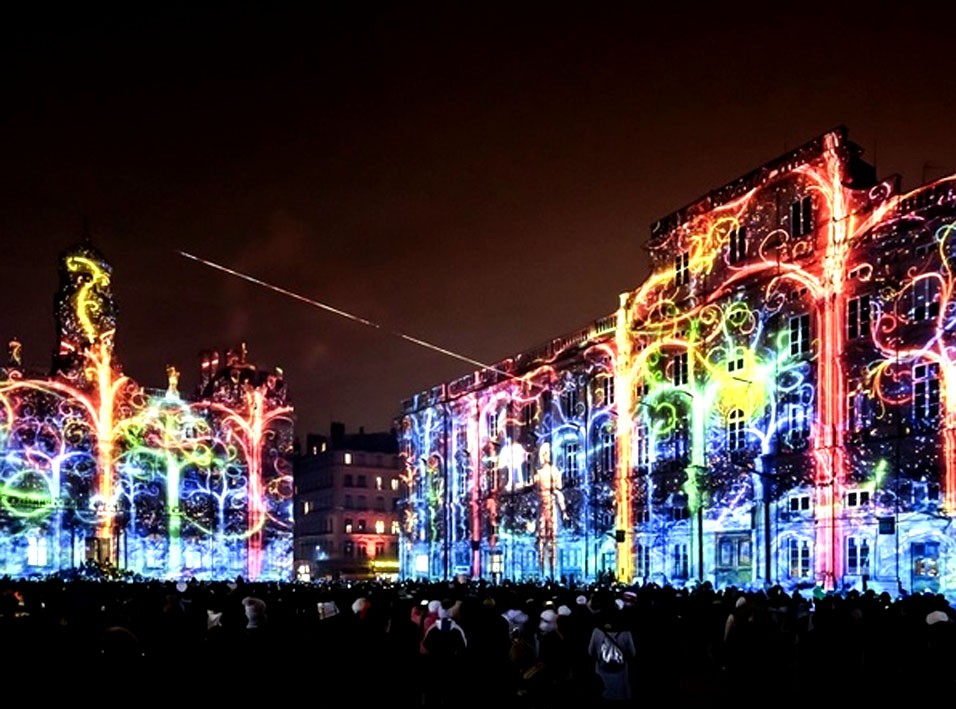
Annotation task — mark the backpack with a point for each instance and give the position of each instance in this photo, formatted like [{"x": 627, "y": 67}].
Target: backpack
[{"x": 611, "y": 655}]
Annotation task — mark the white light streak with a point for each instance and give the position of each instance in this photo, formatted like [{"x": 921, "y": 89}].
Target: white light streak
[{"x": 341, "y": 313}]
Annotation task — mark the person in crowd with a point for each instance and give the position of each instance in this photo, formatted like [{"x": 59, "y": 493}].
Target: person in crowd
[
  {"x": 612, "y": 648},
  {"x": 445, "y": 645}
]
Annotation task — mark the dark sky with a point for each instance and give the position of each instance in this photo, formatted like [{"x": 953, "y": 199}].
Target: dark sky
[{"x": 477, "y": 176}]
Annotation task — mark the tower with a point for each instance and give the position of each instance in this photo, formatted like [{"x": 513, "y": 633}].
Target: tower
[{"x": 84, "y": 307}]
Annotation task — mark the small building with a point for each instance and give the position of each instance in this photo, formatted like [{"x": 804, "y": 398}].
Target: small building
[{"x": 347, "y": 488}]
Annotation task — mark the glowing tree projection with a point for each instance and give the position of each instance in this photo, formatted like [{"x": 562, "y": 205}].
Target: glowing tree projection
[
  {"x": 252, "y": 414},
  {"x": 527, "y": 491},
  {"x": 782, "y": 408},
  {"x": 96, "y": 468}
]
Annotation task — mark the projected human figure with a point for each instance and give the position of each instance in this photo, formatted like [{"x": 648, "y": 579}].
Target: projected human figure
[
  {"x": 172, "y": 377},
  {"x": 511, "y": 464},
  {"x": 550, "y": 488}
]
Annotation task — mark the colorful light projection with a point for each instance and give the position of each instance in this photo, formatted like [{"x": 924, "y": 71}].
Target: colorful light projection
[
  {"x": 759, "y": 344},
  {"x": 150, "y": 483},
  {"x": 95, "y": 467},
  {"x": 782, "y": 408},
  {"x": 528, "y": 490}
]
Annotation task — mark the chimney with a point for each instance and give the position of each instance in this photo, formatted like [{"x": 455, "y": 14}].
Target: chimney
[{"x": 338, "y": 435}]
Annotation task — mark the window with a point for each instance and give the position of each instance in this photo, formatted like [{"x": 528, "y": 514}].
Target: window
[
  {"x": 681, "y": 438},
  {"x": 679, "y": 510},
  {"x": 380, "y": 503},
  {"x": 608, "y": 383},
  {"x": 348, "y": 525},
  {"x": 348, "y": 549},
  {"x": 569, "y": 400},
  {"x": 857, "y": 556},
  {"x": 734, "y": 551},
  {"x": 735, "y": 364},
  {"x": 361, "y": 525},
  {"x": 796, "y": 294},
  {"x": 858, "y": 317},
  {"x": 799, "y": 558},
  {"x": 925, "y": 559},
  {"x": 361, "y": 482},
  {"x": 801, "y": 217},
  {"x": 682, "y": 269},
  {"x": 378, "y": 482},
  {"x": 922, "y": 492},
  {"x": 394, "y": 484},
  {"x": 679, "y": 369},
  {"x": 380, "y": 526},
  {"x": 379, "y": 548},
  {"x": 571, "y": 463},
  {"x": 925, "y": 300},
  {"x": 348, "y": 502},
  {"x": 857, "y": 498},
  {"x": 859, "y": 409},
  {"x": 798, "y": 420},
  {"x": 362, "y": 502},
  {"x": 347, "y": 480},
  {"x": 737, "y": 248},
  {"x": 926, "y": 392},
  {"x": 642, "y": 560},
  {"x": 396, "y": 528},
  {"x": 681, "y": 561},
  {"x": 799, "y": 334},
  {"x": 307, "y": 507},
  {"x": 736, "y": 438},
  {"x": 799, "y": 503},
  {"x": 643, "y": 444},
  {"x": 348, "y": 458},
  {"x": 608, "y": 451},
  {"x": 491, "y": 421},
  {"x": 362, "y": 549},
  {"x": 36, "y": 551}
]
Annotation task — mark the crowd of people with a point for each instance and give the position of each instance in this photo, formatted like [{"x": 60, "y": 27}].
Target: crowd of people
[{"x": 536, "y": 645}]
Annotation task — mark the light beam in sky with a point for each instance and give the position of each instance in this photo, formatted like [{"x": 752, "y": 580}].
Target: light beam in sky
[{"x": 342, "y": 313}]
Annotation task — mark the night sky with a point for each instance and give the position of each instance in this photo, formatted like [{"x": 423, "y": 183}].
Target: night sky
[{"x": 479, "y": 177}]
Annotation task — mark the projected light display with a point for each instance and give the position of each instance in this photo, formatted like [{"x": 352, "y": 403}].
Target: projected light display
[
  {"x": 772, "y": 405},
  {"x": 95, "y": 467}
]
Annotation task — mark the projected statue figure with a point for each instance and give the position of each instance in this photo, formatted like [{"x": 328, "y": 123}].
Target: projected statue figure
[{"x": 550, "y": 488}]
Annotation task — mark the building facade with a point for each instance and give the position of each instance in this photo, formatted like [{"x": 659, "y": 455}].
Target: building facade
[
  {"x": 95, "y": 467},
  {"x": 347, "y": 489},
  {"x": 771, "y": 405}
]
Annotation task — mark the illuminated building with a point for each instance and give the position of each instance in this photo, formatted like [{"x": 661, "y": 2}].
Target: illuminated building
[
  {"x": 97, "y": 468},
  {"x": 346, "y": 496},
  {"x": 771, "y": 405}
]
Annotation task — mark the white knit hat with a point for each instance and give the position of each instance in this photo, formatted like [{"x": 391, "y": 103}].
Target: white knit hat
[{"x": 549, "y": 616}]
